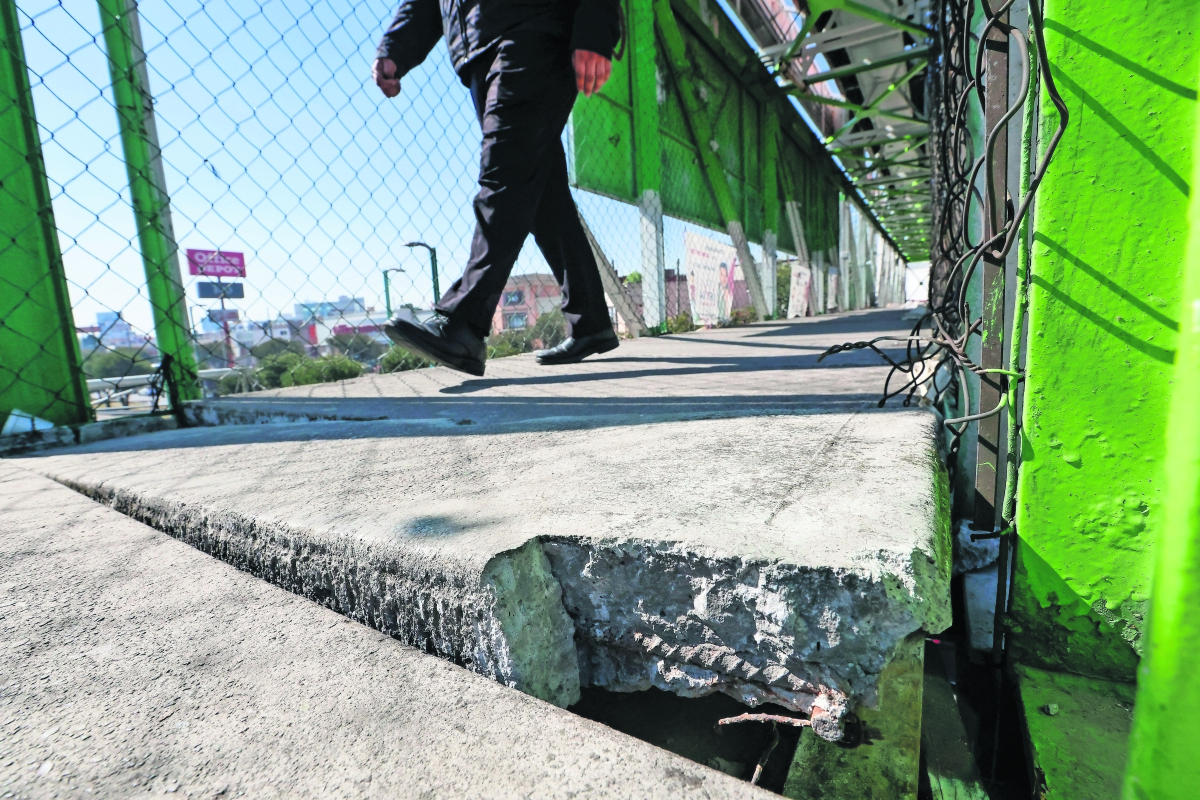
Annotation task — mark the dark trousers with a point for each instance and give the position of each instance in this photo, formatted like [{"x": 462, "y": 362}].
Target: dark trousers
[{"x": 524, "y": 88}]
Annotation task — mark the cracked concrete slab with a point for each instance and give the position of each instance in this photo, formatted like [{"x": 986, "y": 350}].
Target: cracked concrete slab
[
  {"x": 133, "y": 665},
  {"x": 773, "y": 558}
]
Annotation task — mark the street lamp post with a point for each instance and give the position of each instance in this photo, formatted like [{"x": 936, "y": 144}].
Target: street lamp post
[
  {"x": 387, "y": 289},
  {"x": 437, "y": 293}
]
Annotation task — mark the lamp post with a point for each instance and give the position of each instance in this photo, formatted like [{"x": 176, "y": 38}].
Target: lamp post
[
  {"x": 387, "y": 289},
  {"x": 437, "y": 293}
]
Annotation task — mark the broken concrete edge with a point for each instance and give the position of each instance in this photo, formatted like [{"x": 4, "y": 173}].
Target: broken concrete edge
[
  {"x": 510, "y": 627},
  {"x": 70, "y": 435},
  {"x": 515, "y": 624},
  {"x": 137, "y": 666},
  {"x": 880, "y": 756}
]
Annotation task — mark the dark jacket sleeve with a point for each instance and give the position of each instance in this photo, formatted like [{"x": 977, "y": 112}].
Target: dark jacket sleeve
[
  {"x": 597, "y": 26},
  {"x": 412, "y": 34}
]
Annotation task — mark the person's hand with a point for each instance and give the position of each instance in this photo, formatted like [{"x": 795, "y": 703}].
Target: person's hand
[
  {"x": 591, "y": 71},
  {"x": 384, "y": 73}
]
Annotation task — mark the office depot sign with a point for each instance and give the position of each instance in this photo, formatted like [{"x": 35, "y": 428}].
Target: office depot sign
[{"x": 216, "y": 263}]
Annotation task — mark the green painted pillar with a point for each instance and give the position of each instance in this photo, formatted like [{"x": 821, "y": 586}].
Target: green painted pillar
[
  {"x": 675, "y": 51},
  {"x": 770, "y": 202},
  {"x": 647, "y": 159},
  {"x": 40, "y": 367},
  {"x": 1164, "y": 748},
  {"x": 151, "y": 203},
  {"x": 1108, "y": 242}
]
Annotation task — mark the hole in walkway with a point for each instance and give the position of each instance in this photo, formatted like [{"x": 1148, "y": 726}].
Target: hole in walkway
[{"x": 688, "y": 727}]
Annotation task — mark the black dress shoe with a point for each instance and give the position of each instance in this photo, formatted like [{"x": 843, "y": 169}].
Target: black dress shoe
[
  {"x": 442, "y": 339},
  {"x": 574, "y": 350}
]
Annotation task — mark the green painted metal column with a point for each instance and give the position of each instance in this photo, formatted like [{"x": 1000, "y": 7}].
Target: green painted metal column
[
  {"x": 151, "y": 203},
  {"x": 770, "y": 207},
  {"x": 40, "y": 368},
  {"x": 1164, "y": 747},
  {"x": 647, "y": 160},
  {"x": 675, "y": 50},
  {"x": 1104, "y": 292}
]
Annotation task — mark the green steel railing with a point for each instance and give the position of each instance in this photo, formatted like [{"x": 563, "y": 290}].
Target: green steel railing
[{"x": 151, "y": 203}]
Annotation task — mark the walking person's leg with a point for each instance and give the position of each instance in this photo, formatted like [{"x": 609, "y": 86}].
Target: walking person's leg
[
  {"x": 559, "y": 234},
  {"x": 523, "y": 94}
]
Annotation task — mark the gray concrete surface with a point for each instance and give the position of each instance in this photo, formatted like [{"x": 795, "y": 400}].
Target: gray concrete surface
[
  {"x": 774, "y": 558},
  {"x": 132, "y": 665},
  {"x": 767, "y": 368}
]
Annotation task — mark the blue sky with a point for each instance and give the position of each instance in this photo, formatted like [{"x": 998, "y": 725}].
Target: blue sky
[{"x": 276, "y": 144}]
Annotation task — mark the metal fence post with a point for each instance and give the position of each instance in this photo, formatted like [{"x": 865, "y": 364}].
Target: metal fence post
[
  {"x": 151, "y": 203},
  {"x": 770, "y": 184},
  {"x": 675, "y": 50},
  {"x": 992, "y": 345},
  {"x": 647, "y": 160},
  {"x": 40, "y": 372}
]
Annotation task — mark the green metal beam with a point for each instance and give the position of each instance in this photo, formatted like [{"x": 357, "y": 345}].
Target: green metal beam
[
  {"x": 148, "y": 191},
  {"x": 863, "y": 111},
  {"x": 680, "y": 66},
  {"x": 849, "y": 70},
  {"x": 40, "y": 364}
]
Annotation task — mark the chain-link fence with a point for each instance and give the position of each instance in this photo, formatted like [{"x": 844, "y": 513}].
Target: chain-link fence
[{"x": 233, "y": 205}]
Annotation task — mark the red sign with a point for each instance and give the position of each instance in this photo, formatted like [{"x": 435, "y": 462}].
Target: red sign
[
  {"x": 216, "y": 263},
  {"x": 223, "y": 315}
]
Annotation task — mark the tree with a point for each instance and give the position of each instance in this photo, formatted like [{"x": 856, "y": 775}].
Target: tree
[
  {"x": 549, "y": 330},
  {"x": 273, "y": 347},
  {"x": 357, "y": 346},
  {"x": 633, "y": 277},
  {"x": 400, "y": 360},
  {"x": 117, "y": 362},
  {"x": 272, "y": 370}
]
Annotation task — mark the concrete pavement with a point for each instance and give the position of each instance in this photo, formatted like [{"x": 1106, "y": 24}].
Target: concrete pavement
[
  {"x": 768, "y": 368},
  {"x": 774, "y": 550},
  {"x": 132, "y": 665}
]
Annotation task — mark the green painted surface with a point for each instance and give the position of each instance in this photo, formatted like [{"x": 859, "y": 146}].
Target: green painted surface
[
  {"x": 39, "y": 354},
  {"x": 945, "y": 743},
  {"x": 148, "y": 195},
  {"x": 1078, "y": 728},
  {"x": 885, "y": 763},
  {"x": 1108, "y": 242},
  {"x": 614, "y": 153},
  {"x": 1165, "y": 747},
  {"x": 643, "y": 62}
]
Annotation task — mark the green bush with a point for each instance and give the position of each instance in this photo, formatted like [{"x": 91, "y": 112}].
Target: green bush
[
  {"x": 322, "y": 370},
  {"x": 273, "y": 368},
  {"x": 400, "y": 360},
  {"x": 242, "y": 379},
  {"x": 358, "y": 346},
  {"x": 741, "y": 316},
  {"x": 783, "y": 289},
  {"x": 681, "y": 323},
  {"x": 119, "y": 362},
  {"x": 274, "y": 347},
  {"x": 548, "y": 330},
  {"x": 633, "y": 277},
  {"x": 508, "y": 343}
]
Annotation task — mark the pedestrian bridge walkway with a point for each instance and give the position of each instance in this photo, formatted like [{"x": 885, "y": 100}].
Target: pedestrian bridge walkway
[{"x": 710, "y": 512}]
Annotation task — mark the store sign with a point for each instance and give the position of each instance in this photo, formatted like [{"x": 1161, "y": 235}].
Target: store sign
[
  {"x": 229, "y": 291},
  {"x": 223, "y": 315},
  {"x": 216, "y": 263}
]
